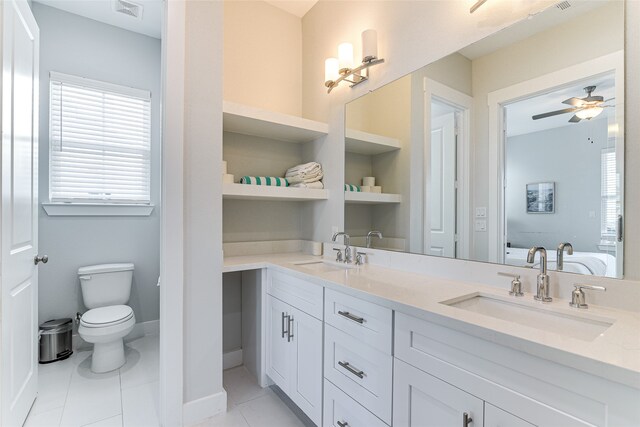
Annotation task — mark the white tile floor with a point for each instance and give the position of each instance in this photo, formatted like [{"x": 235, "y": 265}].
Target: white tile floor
[
  {"x": 249, "y": 405},
  {"x": 70, "y": 395}
]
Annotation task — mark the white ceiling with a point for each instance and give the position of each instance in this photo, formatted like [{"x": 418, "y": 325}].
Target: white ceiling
[
  {"x": 519, "y": 114},
  {"x": 544, "y": 20},
  {"x": 298, "y": 8},
  {"x": 102, "y": 11}
]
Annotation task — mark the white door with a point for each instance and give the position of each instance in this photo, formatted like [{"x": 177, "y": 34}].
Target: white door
[
  {"x": 306, "y": 380},
  {"x": 19, "y": 206},
  {"x": 422, "y": 400},
  {"x": 496, "y": 417},
  {"x": 441, "y": 238},
  {"x": 278, "y": 349}
]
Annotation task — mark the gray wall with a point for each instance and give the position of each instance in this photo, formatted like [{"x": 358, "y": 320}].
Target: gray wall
[
  {"x": 566, "y": 156},
  {"x": 79, "y": 46}
]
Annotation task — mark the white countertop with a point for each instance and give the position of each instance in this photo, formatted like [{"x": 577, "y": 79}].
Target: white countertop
[{"x": 614, "y": 354}]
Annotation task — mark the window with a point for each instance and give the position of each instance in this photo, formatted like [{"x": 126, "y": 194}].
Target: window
[
  {"x": 610, "y": 192},
  {"x": 100, "y": 142}
]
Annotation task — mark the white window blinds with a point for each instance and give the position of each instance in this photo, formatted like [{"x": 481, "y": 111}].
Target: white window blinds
[
  {"x": 100, "y": 142},
  {"x": 610, "y": 192}
]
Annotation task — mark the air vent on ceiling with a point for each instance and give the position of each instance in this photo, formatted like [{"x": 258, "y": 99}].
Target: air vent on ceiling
[
  {"x": 128, "y": 8},
  {"x": 563, "y": 5}
]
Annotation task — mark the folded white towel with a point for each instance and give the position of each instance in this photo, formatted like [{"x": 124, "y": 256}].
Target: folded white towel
[
  {"x": 316, "y": 184},
  {"x": 304, "y": 169}
]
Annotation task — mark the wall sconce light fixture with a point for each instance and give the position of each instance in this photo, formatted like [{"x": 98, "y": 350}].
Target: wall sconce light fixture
[
  {"x": 342, "y": 68},
  {"x": 476, "y": 5}
]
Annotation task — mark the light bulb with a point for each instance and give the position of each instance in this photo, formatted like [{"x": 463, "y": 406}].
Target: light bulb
[
  {"x": 331, "y": 73},
  {"x": 589, "y": 113},
  {"x": 345, "y": 56}
]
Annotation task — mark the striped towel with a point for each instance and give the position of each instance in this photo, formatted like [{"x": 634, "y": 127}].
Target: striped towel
[
  {"x": 275, "y": 181},
  {"x": 351, "y": 187}
]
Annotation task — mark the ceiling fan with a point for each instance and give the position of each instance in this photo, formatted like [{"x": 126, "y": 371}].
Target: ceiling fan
[{"x": 584, "y": 108}]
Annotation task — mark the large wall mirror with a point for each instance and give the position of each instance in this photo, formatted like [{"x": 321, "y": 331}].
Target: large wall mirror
[{"x": 513, "y": 142}]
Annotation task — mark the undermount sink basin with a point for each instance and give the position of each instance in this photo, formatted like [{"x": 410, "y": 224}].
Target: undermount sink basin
[
  {"x": 582, "y": 326},
  {"x": 324, "y": 266}
]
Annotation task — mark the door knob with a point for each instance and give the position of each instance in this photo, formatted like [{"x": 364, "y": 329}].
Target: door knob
[{"x": 43, "y": 259}]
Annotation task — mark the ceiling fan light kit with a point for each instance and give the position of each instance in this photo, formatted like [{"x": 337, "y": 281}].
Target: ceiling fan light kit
[{"x": 583, "y": 108}]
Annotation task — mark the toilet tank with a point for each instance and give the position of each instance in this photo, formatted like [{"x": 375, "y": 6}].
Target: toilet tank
[{"x": 105, "y": 284}]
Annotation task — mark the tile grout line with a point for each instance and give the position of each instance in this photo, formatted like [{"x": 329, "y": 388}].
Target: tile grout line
[
  {"x": 121, "y": 403},
  {"x": 66, "y": 396}
]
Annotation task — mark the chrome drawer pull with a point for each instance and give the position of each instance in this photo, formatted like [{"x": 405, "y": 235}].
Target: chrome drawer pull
[
  {"x": 466, "y": 420},
  {"x": 351, "y": 316},
  {"x": 283, "y": 323},
  {"x": 350, "y": 368},
  {"x": 290, "y": 329},
  {"x": 342, "y": 424}
]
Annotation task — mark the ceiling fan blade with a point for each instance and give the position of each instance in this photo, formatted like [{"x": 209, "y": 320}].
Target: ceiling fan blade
[
  {"x": 553, "y": 113},
  {"x": 576, "y": 102},
  {"x": 574, "y": 119},
  {"x": 610, "y": 99}
]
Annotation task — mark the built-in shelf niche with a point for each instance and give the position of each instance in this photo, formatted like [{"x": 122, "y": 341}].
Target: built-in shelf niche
[
  {"x": 258, "y": 192},
  {"x": 246, "y": 120},
  {"x": 353, "y": 197},
  {"x": 360, "y": 142}
]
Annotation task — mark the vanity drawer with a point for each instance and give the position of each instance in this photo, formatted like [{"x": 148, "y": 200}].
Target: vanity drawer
[
  {"x": 299, "y": 293},
  {"x": 362, "y": 372},
  {"x": 340, "y": 408},
  {"x": 368, "y": 322}
]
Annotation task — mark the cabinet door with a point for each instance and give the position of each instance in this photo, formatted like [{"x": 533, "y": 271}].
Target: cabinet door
[
  {"x": 420, "y": 399},
  {"x": 496, "y": 417},
  {"x": 278, "y": 349},
  {"x": 306, "y": 378}
]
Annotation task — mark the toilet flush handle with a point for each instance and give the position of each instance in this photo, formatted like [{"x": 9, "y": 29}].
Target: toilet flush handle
[{"x": 85, "y": 277}]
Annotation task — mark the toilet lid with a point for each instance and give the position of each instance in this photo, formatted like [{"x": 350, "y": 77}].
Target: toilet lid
[{"x": 105, "y": 316}]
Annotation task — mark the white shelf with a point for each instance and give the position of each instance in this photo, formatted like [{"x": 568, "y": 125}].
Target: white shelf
[
  {"x": 253, "y": 121},
  {"x": 367, "y": 143},
  {"x": 264, "y": 192},
  {"x": 371, "y": 198}
]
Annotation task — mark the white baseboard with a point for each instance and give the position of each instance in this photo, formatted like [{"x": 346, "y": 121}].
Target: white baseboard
[
  {"x": 141, "y": 329},
  {"x": 199, "y": 410},
  {"x": 231, "y": 359}
]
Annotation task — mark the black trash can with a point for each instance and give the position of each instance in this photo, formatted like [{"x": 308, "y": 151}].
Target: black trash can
[{"x": 55, "y": 340}]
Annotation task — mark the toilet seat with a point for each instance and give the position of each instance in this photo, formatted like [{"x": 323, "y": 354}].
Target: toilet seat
[{"x": 106, "y": 316}]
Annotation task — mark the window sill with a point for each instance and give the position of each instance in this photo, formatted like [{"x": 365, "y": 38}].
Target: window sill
[{"x": 95, "y": 209}]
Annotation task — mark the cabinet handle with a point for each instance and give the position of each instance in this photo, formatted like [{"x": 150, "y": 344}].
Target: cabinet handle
[
  {"x": 466, "y": 420},
  {"x": 290, "y": 329},
  {"x": 342, "y": 424},
  {"x": 283, "y": 323},
  {"x": 351, "y": 316},
  {"x": 358, "y": 373}
]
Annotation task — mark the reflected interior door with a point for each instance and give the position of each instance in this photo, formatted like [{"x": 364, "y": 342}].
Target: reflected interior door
[
  {"x": 442, "y": 187},
  {"x": 20, "y": 37}
]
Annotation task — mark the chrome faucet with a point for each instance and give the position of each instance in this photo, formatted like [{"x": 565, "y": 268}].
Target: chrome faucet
[
  {"x": 542, "y": 293},
  {"x": 370, "y": 234},
  {"x": 347, "y": 248},
  {"x": 560, "y": 254}
]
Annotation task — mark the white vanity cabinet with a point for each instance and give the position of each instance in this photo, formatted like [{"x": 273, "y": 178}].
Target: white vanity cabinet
[
  {"x": 294, "y": 342},
  {"x": 420, "y": 399},
  {"x": 442, "y": 371},
  {"x": 358, "y": 360}
]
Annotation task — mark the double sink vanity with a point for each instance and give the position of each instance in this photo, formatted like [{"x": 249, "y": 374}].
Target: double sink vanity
[{"x": 373, "y": 345}]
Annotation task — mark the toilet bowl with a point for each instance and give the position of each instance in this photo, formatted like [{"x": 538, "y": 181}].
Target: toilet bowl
[
  {"x": 105, "y": 290},
  {"x": 105, "y": 328}
]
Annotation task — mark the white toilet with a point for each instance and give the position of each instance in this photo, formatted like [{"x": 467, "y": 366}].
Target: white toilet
[{"x": 105, "y": 290}]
